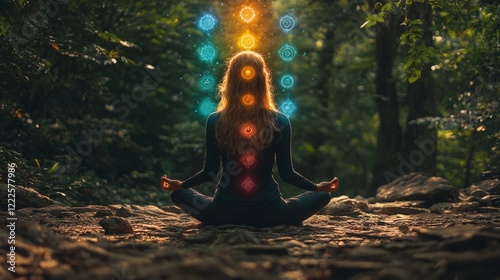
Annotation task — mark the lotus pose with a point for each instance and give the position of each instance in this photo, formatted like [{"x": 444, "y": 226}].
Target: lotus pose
[{"x": 247, "y": 134}]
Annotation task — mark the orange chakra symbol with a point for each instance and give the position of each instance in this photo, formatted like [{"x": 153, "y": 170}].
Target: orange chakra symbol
[
  {"x": 248, "y": 72},
  {"x": 248, "y": 130},
  {"x": 247, "y": 14},
  {"x": 248, "y": 99},
  {"x": 248, "y": 184},
  {"x": 248, "y": 159},
  {"x": 247, "y": 41}
]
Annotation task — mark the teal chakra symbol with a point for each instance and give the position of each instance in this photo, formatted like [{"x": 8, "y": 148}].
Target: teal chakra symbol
[
  {"x": 207, "y": 22},
  {"x": 288, "y": 107},
  {"x": 206, "y": 82},
  {"x": 287, "y": 23},
  {"x": 287, "y": 81},
  {"x": 206, "y": 53},
  {"x": 207, "y": 107},
  {"x": 287, "y": 53}
]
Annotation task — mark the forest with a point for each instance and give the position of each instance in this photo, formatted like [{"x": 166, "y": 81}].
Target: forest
[{"x": 99, "y": 99}]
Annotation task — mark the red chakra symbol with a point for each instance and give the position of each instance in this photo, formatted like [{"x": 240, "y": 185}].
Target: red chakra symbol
[
  {"x": 248, "y": 184},
  {"x": 248, "y": 159},
  {"x": 248, "y": 130}
]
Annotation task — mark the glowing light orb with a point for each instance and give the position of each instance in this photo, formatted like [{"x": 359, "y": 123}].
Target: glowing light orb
[
  {"x": 206, "y": 82},
  {"x": 207, "y": 107},
  {"x": 247, "y": 130},
  {"x": 247, "y": 41},
  {"x": 248, "y": 184},
  {"x": 206, "y": 53},
  {"x": 247, "y": 73},
  {"x": 288, "y": 107},
  {"x": 287, "y": 23},
  {"x": 207, "y": 22},
  {"x": 248, "y": 159},
  {"x": 247, "y": 14},
  {"x": 248, "y": 99},
  {"x": 287, "y": 52},
  {"x": 287, "y": 81}
]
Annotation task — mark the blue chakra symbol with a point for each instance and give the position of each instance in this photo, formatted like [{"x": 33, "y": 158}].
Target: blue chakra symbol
[
  {"x": 207, "y": 107},
  {"x": 207, "y": 22},
  {"x": 287, "y": 81},
  {"x": 206, "y": 53},
  {"x": 287, "y": 52},
  {"x": 287, "y": 23},
  {"x": 288, "y": 107},
  {"x": 206, "y": 82}
]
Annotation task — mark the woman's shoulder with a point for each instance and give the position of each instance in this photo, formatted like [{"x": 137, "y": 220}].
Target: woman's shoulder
[{"x": 281, "y": 119}]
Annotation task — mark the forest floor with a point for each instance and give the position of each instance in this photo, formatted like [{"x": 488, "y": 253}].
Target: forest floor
[{"x": 63, "y": 242}]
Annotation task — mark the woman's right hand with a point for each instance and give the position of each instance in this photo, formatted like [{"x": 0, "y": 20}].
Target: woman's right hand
[{"x": 328, "y": 186}]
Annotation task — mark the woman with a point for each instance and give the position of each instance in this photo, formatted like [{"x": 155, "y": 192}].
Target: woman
[{"x": 247, "y": 133}]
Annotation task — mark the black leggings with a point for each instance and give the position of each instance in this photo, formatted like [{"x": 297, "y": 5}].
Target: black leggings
[{"x": 290, "y": 211}]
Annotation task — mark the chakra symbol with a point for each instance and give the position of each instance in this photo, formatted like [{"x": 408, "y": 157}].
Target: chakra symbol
[
  {"x": 206, "y": 22},
  {"x": 206, "y": 82},
  {"x": 206, "y": 53},
  {"x": 287, "y": 23},
  {"x": 248, "y": 99},
  {"x": 287, "y": 53},
  {"x": 247, "y": 130},
  {"x": 288, "y": 107},
  {"x": 287, "y": 81},
  {"x": 248, "y": 184},
  {"x": 247, "y": 14},
  {"x": 247, "y": 41},
  {"x": 248, "y": 72},
  {"x": 248, "y": 159},
  {"x": 207, "y": 107}
]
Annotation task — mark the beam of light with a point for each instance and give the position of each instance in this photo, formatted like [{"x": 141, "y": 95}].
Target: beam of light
[
  {"x": 247, "y": 72},
  {"x": 248, "y": 184},
  {"x": 207, "y": 22},
  {"x": 287, "y": 23},
  {"x": 247, "y": 130},
  {"x": 248, "y": 159},
  {"x": 247, "y": 41},
  {"x": 207, "y": 53},
  {"x": 248, "y": 99},
  {"x": 288, "y": 107},
  {"x": 287, "y": 52},
  {"x": 287, "y": 81},
  {"x": 247, "y": 14},
  {"x": 206, "y": 82},
  {"x": 207, "y": 107}
]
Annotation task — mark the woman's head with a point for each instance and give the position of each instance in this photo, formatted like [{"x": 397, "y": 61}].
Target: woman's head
[
  {"x": 246, "y": 101},
  {"x": 246, "y": 83}
]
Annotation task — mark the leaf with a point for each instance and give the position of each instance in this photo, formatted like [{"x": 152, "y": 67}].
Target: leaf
[
  {"x": 413, "y": 79},
  {"x": 53, "y": 168},
  {"x": 38, "y": 163},
  {"x": 55, "y": 46}
]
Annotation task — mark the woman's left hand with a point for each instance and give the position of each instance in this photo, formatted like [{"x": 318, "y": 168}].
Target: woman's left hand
[{"x": 170, "y": 184}]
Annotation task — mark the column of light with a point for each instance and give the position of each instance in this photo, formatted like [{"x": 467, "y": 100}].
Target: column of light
[{"x": 287, "y": 53}]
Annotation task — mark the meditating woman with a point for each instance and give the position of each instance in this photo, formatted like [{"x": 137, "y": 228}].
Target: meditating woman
[{"x": 247, "y": 134}]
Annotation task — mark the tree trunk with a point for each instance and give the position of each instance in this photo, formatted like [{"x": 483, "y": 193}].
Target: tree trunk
[
  {"x": 420, "y": 140},
  {"x": 389, "y": 131}
]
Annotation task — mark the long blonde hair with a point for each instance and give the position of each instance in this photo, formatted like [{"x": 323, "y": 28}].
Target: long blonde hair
[{"x": 246, "y": 94}]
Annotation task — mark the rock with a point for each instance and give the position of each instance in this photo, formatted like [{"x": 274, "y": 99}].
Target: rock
[
  {"x": 491, "y": 186},
  {"x": 263, "y": 249},
  {"x": 344, "y": 206},
  {"x": 200, "y": 238},
  {"x": 115, "y": 225},
  {"x": 416, "y": 186},
  {"x": 394, "y": 210},
  {"x": 442, "y": 206},
  {"x": 172, "y": 209},
  {"x": 237, "y": 236},
  {"x": 466, "y": 206},
  {"x": 124, "y": 212},
  {"x": 103, "y": 213},
  {"x": 25, "y": 197},
  {"x": 479, "y": 193}
]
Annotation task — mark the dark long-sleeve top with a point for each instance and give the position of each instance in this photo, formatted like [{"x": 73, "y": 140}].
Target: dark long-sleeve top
[{"x": 248, "y": 186}]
